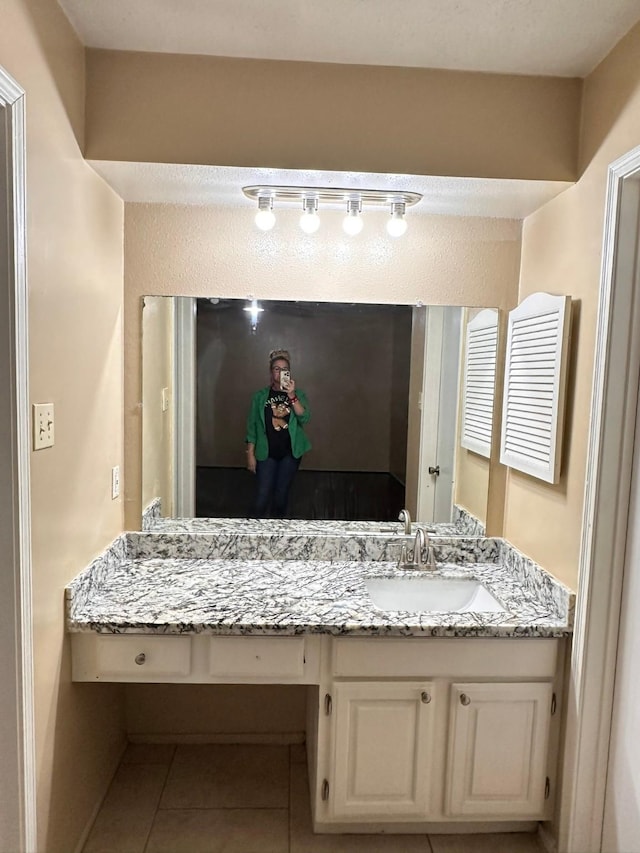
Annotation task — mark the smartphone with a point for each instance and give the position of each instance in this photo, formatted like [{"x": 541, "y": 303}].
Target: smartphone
[{"x": 285, "y": 377}]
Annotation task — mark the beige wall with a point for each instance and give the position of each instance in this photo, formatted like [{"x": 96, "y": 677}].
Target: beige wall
[
  {"x": 561, "y": 253},
  {"x": 75, "y": 270},
  {"x": 198, "y": 251},
  {"x": 155, "y": 710},
  {"x": 240, "y": 112},
  {"x": 157, "y": 425},
  {"x": 472, "y": 482}
]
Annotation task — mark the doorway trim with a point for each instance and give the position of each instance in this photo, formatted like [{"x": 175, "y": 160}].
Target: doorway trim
[
  {"x": 184, "y": 385},
  {"x": 20, "y": 766},
  {"x": 605, "y": 518}
]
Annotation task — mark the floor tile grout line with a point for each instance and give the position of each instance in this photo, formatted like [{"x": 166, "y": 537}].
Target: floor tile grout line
[
  {"x": 224, "y": 809},
  {"x": 155, "y": 814},
  {"x": 111, "y": 786}
]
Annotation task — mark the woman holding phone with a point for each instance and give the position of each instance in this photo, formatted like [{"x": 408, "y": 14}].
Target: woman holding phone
[{"x": 275, "y": 436}]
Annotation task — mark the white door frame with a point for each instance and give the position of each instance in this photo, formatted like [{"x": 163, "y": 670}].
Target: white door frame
[
  {"x": 17, "y": 731},
  {"x": 436, "y": 441},
  {"x": 184, "y": 393},
  {"x": 606, "y": 510}
]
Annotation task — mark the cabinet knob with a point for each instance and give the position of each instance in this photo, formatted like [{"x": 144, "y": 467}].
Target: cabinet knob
[
  {"x": 464, "y": 699},
  {"x": 140, "y": 659},
  {"x": 425, "y": 697}
]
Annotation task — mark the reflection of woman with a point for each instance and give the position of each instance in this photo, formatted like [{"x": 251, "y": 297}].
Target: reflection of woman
[{"x": 275, "y": 437}]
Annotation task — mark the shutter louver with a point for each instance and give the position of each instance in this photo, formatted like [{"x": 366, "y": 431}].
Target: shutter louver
[
  {"x": 479, "y": 382},
  {"x": 534, "y": 386}
]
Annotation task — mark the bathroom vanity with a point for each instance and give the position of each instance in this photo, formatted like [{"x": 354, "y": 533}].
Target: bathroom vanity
[{"x": 415, "y": 717}]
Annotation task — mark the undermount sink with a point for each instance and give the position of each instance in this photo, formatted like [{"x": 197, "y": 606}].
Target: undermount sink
[{"x": 439, "y": 595}]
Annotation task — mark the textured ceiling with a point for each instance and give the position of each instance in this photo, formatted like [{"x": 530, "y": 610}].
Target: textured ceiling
[
  {"x": 163, "y": 183},
  {"x": 543, "y": 37}
]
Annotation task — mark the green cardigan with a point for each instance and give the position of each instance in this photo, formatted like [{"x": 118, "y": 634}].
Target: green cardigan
[{"x": 257, "y": 431}]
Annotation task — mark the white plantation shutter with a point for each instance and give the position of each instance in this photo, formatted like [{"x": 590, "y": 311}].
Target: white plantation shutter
[
  {"x": 481, "y": 347},
  {"x": 534, "y": 385}
]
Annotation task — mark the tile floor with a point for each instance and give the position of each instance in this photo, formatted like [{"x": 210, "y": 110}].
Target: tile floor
[{"x": 218, "y": 798}]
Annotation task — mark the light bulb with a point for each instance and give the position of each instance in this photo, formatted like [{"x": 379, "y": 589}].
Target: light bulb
[
  {"x": 309, "y": 222},
  {"x": 265, "y": 220},
  {"x": 254, "y": 310},
  {"x": 397, "y": 225},
  {"x": 265, "y": 217},
  {"x": 352, "y": 224}
]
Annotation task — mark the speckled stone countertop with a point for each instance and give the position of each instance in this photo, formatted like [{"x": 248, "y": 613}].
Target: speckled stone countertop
[
  {"x": 128, "y": 590},
  {"x": 291, "y": 526}
]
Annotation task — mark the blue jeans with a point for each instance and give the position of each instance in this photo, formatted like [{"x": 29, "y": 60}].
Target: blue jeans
[{"x": 273, "y": 482}]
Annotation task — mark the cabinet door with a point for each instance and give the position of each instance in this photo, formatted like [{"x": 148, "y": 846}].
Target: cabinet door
[
  {"x": 382, "y": 750},
  {"x": 497, "y": 755}
]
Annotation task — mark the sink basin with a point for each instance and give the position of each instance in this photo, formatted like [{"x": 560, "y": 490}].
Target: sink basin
[{"x": 439, "y": 595}]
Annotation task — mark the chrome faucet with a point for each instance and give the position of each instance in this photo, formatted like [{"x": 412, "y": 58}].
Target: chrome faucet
[
  {"x": 406, "y": 519},
  {"x": 413, "y": 559},
  {"x": 420, "y": 542}
]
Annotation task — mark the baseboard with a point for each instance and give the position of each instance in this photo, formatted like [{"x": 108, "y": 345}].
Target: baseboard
[
  {"x": 430, "y": 828},
  {"x": 268, "y": 738},
  {"x": 94, "y": 814}
]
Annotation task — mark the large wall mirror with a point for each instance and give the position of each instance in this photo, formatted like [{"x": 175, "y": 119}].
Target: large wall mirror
[{"x": 388, "y": 391}]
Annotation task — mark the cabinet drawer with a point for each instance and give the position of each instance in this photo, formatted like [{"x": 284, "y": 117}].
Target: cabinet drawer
[
  {"x": 257, "y": 657},
  {"x": 455, "y": 658},
  {"x": 143, "y": 656}
]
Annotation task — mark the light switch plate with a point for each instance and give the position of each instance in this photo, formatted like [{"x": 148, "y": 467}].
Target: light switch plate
[
  {"x": 115, "y": 482},
  {"x": 43, "y": 435}
]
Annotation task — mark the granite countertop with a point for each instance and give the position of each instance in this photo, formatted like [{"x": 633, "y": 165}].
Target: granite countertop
[
  {"x": 292, "y": 527},
  {"x": 174, "y": 595}
]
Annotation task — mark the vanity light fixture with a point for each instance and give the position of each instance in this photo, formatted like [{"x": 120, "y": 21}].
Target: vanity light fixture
[
  {"x": 397, "y": 224},
  {"x": 265, "y": 217},
  {"x": 312, "y": 197},
  {"x": 310, "y": 221},
  {"x": 352, "y": 224}
]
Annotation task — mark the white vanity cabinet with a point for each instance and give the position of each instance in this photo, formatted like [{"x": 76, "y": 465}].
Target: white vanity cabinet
[
  {"x": 382, "y": 749},
  {"x": 498, "y": 736},
  {"x": 413, "y": 731},
  {"x": 402, "y": 733}
]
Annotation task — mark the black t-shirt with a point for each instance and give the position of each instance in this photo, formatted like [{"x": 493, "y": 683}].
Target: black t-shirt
[{"x": 277, "y": 411}]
